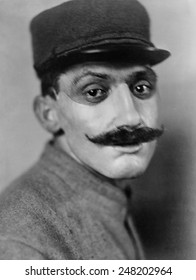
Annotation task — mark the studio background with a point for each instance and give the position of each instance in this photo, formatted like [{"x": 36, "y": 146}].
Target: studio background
[{"x": 164, "y": 198}]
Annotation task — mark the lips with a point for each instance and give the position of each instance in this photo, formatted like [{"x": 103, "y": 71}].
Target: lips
[{"x": 131, "y": 149}]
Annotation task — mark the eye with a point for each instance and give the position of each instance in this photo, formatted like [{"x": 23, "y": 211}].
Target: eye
[
  {"x": 143, "y": 89},
  {"x": 95, "y": 95}
]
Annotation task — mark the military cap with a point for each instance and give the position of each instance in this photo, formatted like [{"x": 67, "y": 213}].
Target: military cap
[{"x": 86, "y": 27}]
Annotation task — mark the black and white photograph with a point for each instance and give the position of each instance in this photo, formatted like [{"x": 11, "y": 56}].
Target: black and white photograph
[{"x": 97, "y": 130}]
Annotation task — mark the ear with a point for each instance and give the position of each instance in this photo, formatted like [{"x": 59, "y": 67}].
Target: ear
[{"x": 45, "y": 111}]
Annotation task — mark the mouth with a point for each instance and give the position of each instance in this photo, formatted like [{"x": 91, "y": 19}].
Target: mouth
[{"x": 130, "y": 149}]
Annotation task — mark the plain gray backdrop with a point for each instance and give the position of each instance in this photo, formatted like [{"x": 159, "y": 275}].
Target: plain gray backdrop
[{"x": 164, "y": 198}]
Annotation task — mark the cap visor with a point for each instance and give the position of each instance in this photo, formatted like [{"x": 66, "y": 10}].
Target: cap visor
[
  {"x": 142, "y": 54},
  {"x": 132, "y": 52}
]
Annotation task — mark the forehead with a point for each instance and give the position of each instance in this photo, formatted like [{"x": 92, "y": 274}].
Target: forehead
[{"x": 104, "y": 70}]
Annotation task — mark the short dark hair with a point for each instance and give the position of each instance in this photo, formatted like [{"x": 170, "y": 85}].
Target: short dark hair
[
  {"x": 49, "y": 84},
  {"x": 49, "y": 81}
]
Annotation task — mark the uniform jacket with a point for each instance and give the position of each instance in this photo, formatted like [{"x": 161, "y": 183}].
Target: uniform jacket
[{"x": 61, "y": 210}]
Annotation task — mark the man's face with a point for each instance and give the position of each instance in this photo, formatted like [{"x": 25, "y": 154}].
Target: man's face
[{"x": 96, "y": 98}]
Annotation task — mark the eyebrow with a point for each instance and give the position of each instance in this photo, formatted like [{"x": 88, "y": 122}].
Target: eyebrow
[
  {"x": 90, "y": 73},
  {"x": 147, "y": 73}
]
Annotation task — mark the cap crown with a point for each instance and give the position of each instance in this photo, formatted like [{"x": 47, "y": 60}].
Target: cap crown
[{"x": 78, "y": 24}]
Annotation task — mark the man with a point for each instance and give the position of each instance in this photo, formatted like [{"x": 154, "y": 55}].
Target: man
[{"x": 99, "y": 101}]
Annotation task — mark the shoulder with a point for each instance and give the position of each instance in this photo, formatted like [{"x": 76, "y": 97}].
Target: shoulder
[
  {"x": 34, "y": 189},
  {"x": 29, "y": 212}
]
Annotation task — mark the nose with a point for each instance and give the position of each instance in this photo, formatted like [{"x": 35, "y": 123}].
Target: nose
[{"x": 126, "y": 109}]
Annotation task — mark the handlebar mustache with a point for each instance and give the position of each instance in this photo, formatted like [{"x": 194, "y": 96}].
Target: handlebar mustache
[{"x": 126, "y": 136}]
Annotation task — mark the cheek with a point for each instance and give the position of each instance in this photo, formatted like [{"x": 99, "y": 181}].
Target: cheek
[
  {"x": 81, "y": 119},
  {"x": 148, "y": 110}
]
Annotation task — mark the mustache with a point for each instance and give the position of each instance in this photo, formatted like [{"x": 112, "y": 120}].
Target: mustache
[{"x": 126, "y": 136}]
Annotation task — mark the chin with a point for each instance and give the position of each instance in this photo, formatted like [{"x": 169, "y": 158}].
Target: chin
[
  {"x": 126, "y": 174},
  {"x": 128, "y": 166},
  {"x": 125, "y": 170}
]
